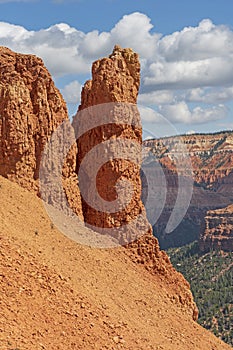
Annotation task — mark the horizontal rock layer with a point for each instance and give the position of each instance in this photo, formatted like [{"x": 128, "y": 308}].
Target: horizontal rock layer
[
  {"x": 217, "y": 232},
  {"x": 211, "y": 160}
]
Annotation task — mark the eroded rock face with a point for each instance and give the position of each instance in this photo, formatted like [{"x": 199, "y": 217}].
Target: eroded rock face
[
  {"x": 113, "y": 92},
  {"x": 114, "y": 79},
  {"x": 217, "y": 232},
  {"x": 109, "y": 114},
  {"x": 31, "y": 108},
  {"x": 211, "y": 157}
]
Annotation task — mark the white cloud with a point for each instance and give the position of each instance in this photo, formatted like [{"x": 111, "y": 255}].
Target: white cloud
[
  {"x": 149, "y": 137},
  {"x": 156, "y": 97},
  {"x": 181, "y": 113},
  {"x": 72, "y": 92},
  {"x": 134, "y": 31},
  {"x": 187, "y": 74},
  {"x": 197, "y": 43},
  {"x": 66, "y": 50},
  {"x": 194, "y": 57},
  {"x": 149, "y": 115},
  {"x": 11, "y": 33},
  {"x": 191, "y": 65},
  {"x": 58, "y": 46},
  {"x": 190, "y": 132},
  {"x": 213, "y": 95}
]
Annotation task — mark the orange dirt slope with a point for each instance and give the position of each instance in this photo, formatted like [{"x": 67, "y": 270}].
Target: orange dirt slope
[{"x": 58, "y": 294}]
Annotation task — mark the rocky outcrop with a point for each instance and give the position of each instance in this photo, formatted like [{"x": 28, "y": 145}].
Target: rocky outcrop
[
  {"x": 31, "y": 108},
  {"x": 114, "y": 79},
  {"x": 217, "y": 231},
  {"x": 108, "y": 115}
]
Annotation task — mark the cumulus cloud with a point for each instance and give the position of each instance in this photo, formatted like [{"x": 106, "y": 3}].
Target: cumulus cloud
[
  {"x": 134, "y": 31},
  {"x": 181, "y": 113},
  {"x": 190, "y": 132},
  {"x": 67, "y": 50},
  {"x": 72, "y": 92},
  {"x": 197, "y": 43},
  {"x": 193, "y": 65},
  {"x": 149, "y": 115},
  {"x": 213, "y": 95},
  {"x": 194, "y": 57},
  {"x": 156, "y": 97},
  {"x": 213, "y": 71}
]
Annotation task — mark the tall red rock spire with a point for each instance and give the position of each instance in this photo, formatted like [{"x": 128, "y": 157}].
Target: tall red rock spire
[
  {"x": 108, "y": 112},
  {"x": 108, "y": 116}
]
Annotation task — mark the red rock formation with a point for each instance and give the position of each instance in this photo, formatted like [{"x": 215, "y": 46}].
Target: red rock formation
[
  {"x": 211, "y": 156},
  {"x": 217, "y": 232},
  {"x": 113, "y": 91},
  {"x": 31, "y": 108}
]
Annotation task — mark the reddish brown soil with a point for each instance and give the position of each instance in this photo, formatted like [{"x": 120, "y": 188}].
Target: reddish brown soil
[{"x": 57, "y": 294}]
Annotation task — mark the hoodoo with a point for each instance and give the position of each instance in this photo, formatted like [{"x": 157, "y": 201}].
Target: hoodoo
[
  {"x": 55, "y": 292},
  {"x": 113, "y": 92},
  {"x": 31, "y": 109}
]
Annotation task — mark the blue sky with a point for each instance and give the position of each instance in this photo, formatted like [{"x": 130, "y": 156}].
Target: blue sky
[{"x": 186, "y": 51}]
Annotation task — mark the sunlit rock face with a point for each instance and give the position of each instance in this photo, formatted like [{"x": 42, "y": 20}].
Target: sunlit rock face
[
  {"x": 217, "y": 231},
  {"x": 108, "y": 115},
  {"x": 31, "y": 109}
]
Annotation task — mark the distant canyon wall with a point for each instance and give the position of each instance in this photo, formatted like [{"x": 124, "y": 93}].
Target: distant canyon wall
[
  {"x": 217, "y": 231},
  {"x": 211, "y": 156}
]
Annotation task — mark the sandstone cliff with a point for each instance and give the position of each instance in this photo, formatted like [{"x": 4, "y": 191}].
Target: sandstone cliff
[
  {"x": 211, "y": 156},
  {"x": 113, "y": 91},
  {"x": 31, "y": 108},
  {"x": 217, "y": 232}
]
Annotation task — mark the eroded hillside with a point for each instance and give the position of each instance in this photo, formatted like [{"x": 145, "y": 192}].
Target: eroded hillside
[{"x": 58, "y": 294}]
